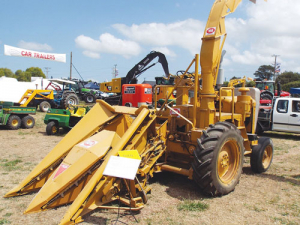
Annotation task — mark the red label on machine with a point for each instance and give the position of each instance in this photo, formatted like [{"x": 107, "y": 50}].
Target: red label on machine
[
  {"x": 210, "y": 31},
  {"x": 129, "y": 90},
  {"x": 88, "y": 143},
  {"x": 175, "y": 109},
  {"x": 61, "y": 169}
]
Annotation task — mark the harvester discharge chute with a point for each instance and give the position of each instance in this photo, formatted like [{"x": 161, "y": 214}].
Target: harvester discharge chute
[{"x": 204, "y": 137}]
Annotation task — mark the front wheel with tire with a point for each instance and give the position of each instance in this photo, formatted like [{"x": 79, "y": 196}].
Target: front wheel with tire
[
  {"x": 52, "y": 128},
  {"x": 45, "y": 106},
  {"x": 13, "y": 122},
  {"x": 218, "y": 160},
  {"x": 262, "y": 155},
  {"x": 27, "y": 122}
]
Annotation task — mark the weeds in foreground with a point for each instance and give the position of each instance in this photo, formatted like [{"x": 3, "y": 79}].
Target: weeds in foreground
[
  {"x": 189, "y": 205},
  {"x": 10, "y": 165},
  {"x": 4, "y": 221}
]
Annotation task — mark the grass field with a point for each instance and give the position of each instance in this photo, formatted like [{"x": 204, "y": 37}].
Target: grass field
[{"x": 269, "y": 198}]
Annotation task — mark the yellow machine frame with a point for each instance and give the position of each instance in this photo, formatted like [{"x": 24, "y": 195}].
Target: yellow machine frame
[{"x": 31, "y": 94}]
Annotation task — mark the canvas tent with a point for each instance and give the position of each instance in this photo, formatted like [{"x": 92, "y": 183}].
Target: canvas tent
[
  {"x": 12, "y": 90},
  {"x": 92, "y": 85}
]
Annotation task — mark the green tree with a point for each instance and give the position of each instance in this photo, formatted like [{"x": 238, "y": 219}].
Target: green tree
[
  {"x": 35, "y": 72},
  {"x": 6, "y": 72},
  {"x": 23, "y": 76},
  {"x": 225, "y": 84},
  {"x": 265, "y": 72},
  {"x": 287, "y": 77},
  {"x": 294, "y": 84},
  {"x": 250, "y": 83}
]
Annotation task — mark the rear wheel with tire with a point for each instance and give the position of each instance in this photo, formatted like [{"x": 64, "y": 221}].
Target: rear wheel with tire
[
  {"x": 262, "y": 155},
  {"x": 89, "y": 98},
  {"x": 13, "y": 122},
  {"x": 45, "y": 106},
  {"x": 27, "y": 122},
  {"x": 266, "y": 95},
  {"x": 218, "y": 160},
  {"x": 70, "y": 99},
  {"x": 52, "y": 128}
]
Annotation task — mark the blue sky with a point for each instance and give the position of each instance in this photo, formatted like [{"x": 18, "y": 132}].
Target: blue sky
[{"x": 102, "y": 33}]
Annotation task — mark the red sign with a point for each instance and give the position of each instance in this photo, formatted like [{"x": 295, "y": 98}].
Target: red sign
[
  {"x": 210, "y": 31},
  {"x": 176, "y": 110},
  {"x": 88, "y": 143},
  {"x": 61, "y": 169}
]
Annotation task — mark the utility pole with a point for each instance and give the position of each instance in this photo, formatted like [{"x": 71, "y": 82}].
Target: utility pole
[
  {"x": 275, "y": 65},
  {"x": 47, "y": 70},
  {"x": 71, "y": 66},
  {"x": 115, "y": 71}
]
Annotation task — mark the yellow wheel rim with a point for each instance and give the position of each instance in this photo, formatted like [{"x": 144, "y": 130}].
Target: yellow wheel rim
[
  {"x": 228, "y": 161},
  {"x": 29, "y": 122},
  {"x": 267, "y": 156},
  {"x": 54, "y": 129},
  {"x": 15, "y": 123}
]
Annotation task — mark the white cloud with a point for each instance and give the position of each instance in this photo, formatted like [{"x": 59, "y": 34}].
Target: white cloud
[
  {"x": 250, "y": 58},
  {"x": 166, "y": 51},
  {"x": 186, "y": 34},
  {"x": 90, "y": 54},
  {"x": 270, "y": 28},
  {"x": 35, "y": 46},
  {"x": 266, "y": 28},
  {"x": 107, "y": 43}
]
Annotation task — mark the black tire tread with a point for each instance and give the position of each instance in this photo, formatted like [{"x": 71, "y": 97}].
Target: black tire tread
[
  {"x": 256, "y": 155},
  {"x": 9, "y": 122},
  {"x": 204, "y": 153},
  {"x": 49, "y": 128},
  {"x": 66, "y": 98},
  {"x": 24, "y": 122}
]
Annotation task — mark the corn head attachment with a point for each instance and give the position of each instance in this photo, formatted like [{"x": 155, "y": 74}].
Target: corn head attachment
[{"x": 73, "y": 171}]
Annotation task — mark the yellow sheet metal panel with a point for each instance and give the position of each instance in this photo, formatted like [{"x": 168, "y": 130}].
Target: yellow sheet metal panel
[
  {"x": 85, "y": 128},
  {"x": 76, "y": 167},
  {"x": 75, "y": 209}
]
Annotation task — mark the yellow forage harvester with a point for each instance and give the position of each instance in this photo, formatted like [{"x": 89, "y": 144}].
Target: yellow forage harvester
[{"x": 204, "y": 137}]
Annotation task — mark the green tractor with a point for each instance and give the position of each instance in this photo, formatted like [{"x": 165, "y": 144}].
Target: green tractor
[
  {"x": 65, "y": 118},
  {"x": 14, "y": 117}
]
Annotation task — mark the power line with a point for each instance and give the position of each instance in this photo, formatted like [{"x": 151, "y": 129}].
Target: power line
[{"x": 47, "y": 70}]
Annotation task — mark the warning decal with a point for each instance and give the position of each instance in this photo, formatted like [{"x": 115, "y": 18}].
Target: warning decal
[
  {"x": 210, "y": 31},
  {"x": 61, "y": 169},
  {"x": 175, "y": 109},
  {"x": 88, "y": 143},
  {"x": 129, "y": 90}
]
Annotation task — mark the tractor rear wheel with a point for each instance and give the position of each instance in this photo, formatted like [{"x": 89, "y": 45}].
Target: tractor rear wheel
[
  {"x": 52, "y": 128},
  {"x": 45, "y": 106},
  {"x": 218, "y": 160},
  {"x": 266, "y": 95},
  {"x": 70, "y": 99},
  {"x": 262, "y": 155},
  {"x": 27, "y": 122},
  {"x": 13, "y": 122},
  {"x": 89, "y": 98}
]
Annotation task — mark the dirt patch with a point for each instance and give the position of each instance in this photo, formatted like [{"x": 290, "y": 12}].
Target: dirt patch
[{"x": 269, "y": 198}]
